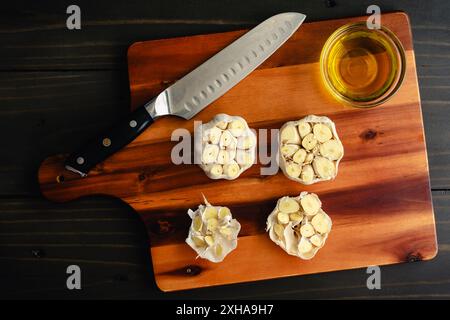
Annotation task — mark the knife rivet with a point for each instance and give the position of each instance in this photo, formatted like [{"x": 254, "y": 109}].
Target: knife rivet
[
  {"x": 106, "y": 142},
  {"x": 80, "y": 160},
  {"x": 133, "y": 123}
]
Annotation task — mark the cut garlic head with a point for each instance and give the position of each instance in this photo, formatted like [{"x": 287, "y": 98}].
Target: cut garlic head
[
  {"x": 310, "y": 150},
  {"x": 227, "y": 147},
  {"x": 299, "y": 225},
  {"x": 213, "y": 232}
]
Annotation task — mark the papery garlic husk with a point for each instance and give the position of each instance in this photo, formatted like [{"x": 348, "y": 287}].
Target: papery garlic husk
[
  {"x": 307, "y": 229},
  {"x": 227, "y": 147},
  {"x": 213, "y": 232},
  {"x": 319, "y": 150}
]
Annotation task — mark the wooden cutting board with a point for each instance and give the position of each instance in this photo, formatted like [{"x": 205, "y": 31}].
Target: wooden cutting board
[{"x": 380, "y": 202}]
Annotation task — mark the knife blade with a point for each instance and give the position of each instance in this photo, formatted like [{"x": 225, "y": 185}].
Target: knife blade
[{"x": 196, "y": 90}]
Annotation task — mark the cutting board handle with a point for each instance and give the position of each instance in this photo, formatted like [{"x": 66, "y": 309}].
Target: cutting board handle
[{"x": 59, "y": 184}]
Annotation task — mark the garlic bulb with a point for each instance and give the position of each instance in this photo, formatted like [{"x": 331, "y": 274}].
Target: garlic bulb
[
  {"x": 299, "y": 225},
  {"x": 228, "y": 147},
  {"x": 310, "y": 150},
  {"x": 213, "y": 232}
]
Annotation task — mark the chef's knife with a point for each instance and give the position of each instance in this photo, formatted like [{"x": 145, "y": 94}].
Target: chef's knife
[{"x": 189, "y": 95}]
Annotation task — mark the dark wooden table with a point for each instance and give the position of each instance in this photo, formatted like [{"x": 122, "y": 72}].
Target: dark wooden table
[{"x": 59, "y": 87}]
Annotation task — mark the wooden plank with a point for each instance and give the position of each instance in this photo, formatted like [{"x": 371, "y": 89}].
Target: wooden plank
[
  {"x": 433, "y": 59},
  {"x": 60, "y": 110},
  {"x": 40, "y": 224},
  {"x": 41, "y": 41},
  {"x": 159, "y": 191}
]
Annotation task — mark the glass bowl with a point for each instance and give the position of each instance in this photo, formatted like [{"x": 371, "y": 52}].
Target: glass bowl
[{"x": 362, "y": 67}]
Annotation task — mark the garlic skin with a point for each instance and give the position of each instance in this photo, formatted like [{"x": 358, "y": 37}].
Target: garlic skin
[
  {"x": 213, "y": 232},
  {"x": 227, "y": 147},
  {"x": 320, "y": 150},
  {"x": 306, "y": 230}
]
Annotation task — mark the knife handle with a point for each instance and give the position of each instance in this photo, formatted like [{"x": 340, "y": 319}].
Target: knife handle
[{"x": 111, "y": 141}]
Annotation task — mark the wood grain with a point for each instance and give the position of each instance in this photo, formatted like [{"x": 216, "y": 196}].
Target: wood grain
[
  {"x": 380, "y": 203},
  {"x": 108, "y": 240}
]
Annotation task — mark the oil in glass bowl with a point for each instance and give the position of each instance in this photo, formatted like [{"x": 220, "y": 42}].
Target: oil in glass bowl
[{"x": 362, "y": 67}]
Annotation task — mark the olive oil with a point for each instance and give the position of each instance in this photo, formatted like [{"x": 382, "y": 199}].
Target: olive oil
[{"x": 362, "y": 66}]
